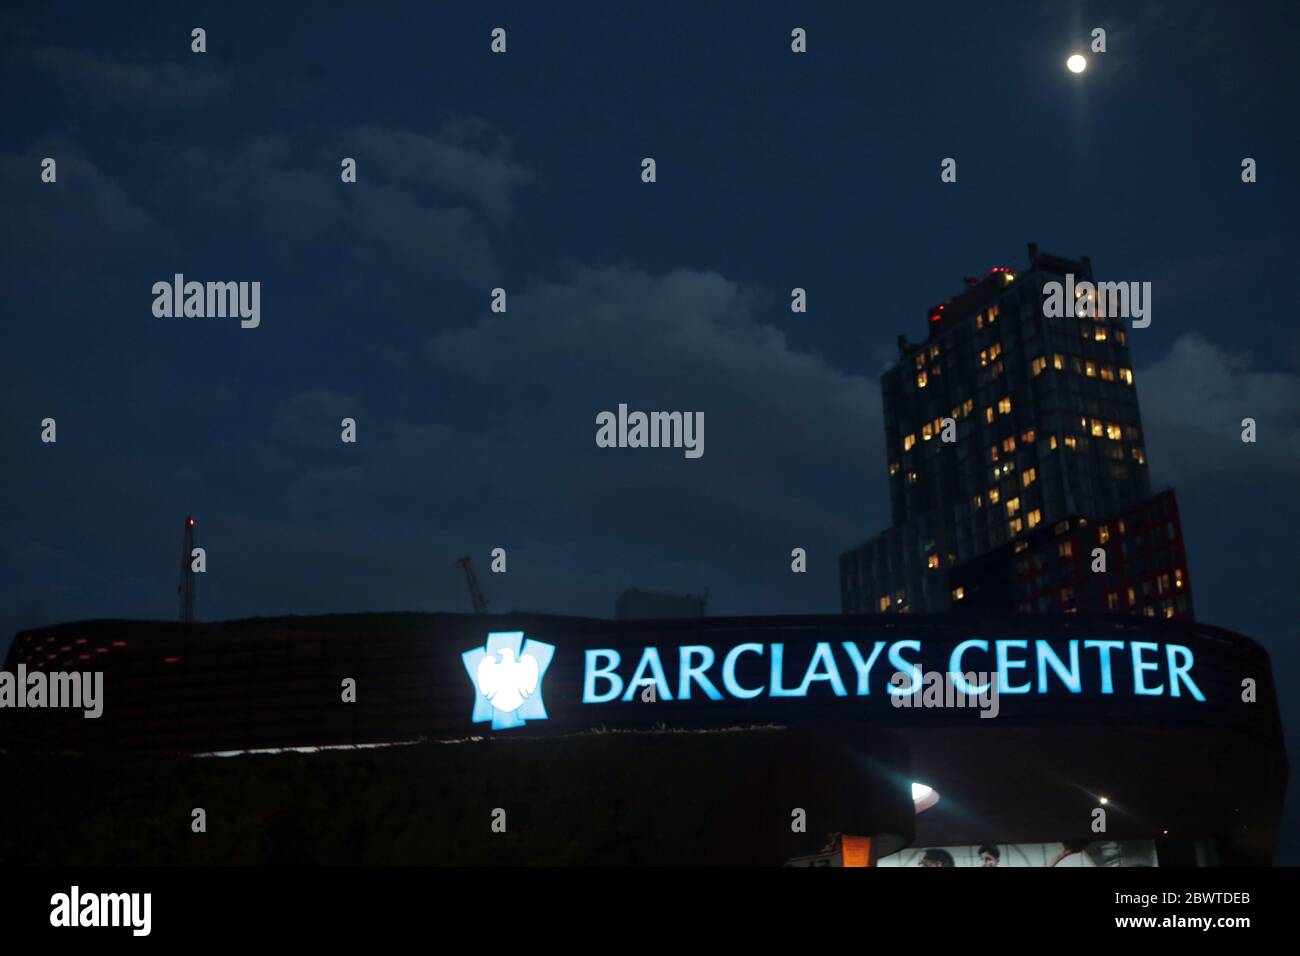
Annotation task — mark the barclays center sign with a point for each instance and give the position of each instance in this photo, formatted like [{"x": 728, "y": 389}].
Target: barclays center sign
[{"x": 515, "y": 679}]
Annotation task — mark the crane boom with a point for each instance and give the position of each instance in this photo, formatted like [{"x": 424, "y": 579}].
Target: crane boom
[{"x": 476, "y": 596}]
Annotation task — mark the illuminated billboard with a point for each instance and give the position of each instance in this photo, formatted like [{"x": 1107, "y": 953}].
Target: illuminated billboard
[
  {"x": 1081, "y": 853},
  {"x": 767, "y": 672},
  {"x": 455, "y": 676}
]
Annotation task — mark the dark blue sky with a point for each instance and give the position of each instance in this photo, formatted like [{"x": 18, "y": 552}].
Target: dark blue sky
[{"x": 522, "y": 171}]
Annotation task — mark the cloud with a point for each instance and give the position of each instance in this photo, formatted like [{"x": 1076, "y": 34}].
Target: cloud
[
  {"x": 65, "y": 225},
  {"x": 490, "y": 442},
  {"x": 402, "y": 229},
  {"x": 467, "y": 159},
  {"x": 424, "y": 202},
  {"x": 790, "y": 441},
  {"x": 311, "y": 421},
  {"x": 152, "y": 86},
  {"x": 1193, "y": 402}
]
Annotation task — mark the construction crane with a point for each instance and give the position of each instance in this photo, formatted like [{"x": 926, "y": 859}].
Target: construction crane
[
  {"x": 186, "y": 588},
  {"x": 476, "y": 597}
]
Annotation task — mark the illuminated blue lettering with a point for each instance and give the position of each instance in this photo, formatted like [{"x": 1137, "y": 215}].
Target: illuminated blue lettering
[
  {"x": 1182, "y": 672},
  {"x": 1104, "y": 649},
  {"x": 696, "y": 662},
  {"x": 1005, "y": 664},
  {"x": 897, "y": 662},
  {"x": 729, "y": 671},
  {"x": 822, "y": 655},
  {"x": 691, "y": 672},
  {"x": 863, "y": 667},
  {"x": 957, "y": 675},
  {"x": 1072, "y": 680},
  {"x": 611, "y": 659},
  {"x": 1139, "y": 665},
  {"x": 649, "y": 661},
  {"x": 778, "y": 662}
]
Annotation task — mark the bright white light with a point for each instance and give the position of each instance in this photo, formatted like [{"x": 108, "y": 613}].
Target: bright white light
[
  {"x": 923, "y": 797},
  {"x": 1103, "y": 801},
  {"x": 1076, "y": 64}
]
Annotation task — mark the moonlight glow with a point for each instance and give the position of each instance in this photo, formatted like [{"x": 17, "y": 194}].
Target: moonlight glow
[{"x": 1076, "y": 63}]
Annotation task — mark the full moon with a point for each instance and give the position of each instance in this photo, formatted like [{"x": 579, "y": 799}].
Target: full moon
[{"x": 1076, "y": 63}]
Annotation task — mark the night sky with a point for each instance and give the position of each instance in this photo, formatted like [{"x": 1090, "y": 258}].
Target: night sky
[{"x": 476, "y": 430}]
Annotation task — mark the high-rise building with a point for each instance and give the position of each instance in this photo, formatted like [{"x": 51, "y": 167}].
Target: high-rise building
[
  {"x": 1051, "y": 567},
  {"x": 1003, "y": 424}
]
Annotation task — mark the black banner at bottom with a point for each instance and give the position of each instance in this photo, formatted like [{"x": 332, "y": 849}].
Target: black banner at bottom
[{"x": 565, "y": 906}]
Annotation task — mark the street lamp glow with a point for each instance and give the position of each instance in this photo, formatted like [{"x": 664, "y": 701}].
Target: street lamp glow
[
  {"x": 1076, "y": 63},
  {"x": 923, "y": 796}
]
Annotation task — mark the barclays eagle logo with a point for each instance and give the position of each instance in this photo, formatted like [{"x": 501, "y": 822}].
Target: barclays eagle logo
[{"x": 507, "y": 679}]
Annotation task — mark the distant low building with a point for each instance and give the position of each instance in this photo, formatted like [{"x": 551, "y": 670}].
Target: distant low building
[{"x": 634, "y": 605}]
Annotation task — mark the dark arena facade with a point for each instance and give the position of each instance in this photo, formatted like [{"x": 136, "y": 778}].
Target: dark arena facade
[{"x": 698, "y": 738}]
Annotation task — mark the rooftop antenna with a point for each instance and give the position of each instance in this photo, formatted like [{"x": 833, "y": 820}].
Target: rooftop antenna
[{"x": 186, "y": 588}]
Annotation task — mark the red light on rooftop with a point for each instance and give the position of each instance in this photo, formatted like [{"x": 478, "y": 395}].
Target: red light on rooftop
[
  {"x": 119, "y": 643},
  {"x": 171, "y": 660},
  {"x": 190, "y": 522}
]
